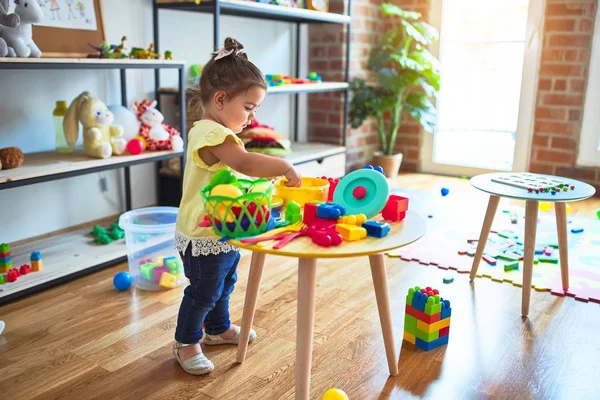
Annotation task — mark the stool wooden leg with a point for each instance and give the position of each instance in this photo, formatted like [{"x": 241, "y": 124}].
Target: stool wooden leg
[
  {"x": 307, "y": 297},
  {"x": 561, "y": 228},
  {"x": 385, "y": 313},
  {"x": 531, "y": 216},
  {"x": 255, "y": 275},
  {"x": 485, "y": 231}
]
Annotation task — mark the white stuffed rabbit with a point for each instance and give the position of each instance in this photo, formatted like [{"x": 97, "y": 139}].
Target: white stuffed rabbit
[
  {"x": 101, "y": 138},
  {"x": 19, "y": 36}
]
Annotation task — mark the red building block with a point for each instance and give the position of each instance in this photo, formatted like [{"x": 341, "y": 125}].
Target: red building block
[
  {"x": 445, "y": 331},
  {"x": 332, "y": 186},
  {"x": 430, "y": 319},
  {"x": 395, "y": 209},
  {"x": 25, "y": 269},
  {"x": 12, "y": 275},
  {"x": 310, "y": 218}
]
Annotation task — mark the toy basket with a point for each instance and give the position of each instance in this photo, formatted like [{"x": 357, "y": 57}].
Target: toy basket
[{"x": 243, "y": 216}]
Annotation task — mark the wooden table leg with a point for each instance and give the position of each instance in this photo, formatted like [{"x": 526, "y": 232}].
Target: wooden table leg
[
  {"x": 561, "y": 228},
  {"x": 385, "y": 314},
  {"x": 485, "y": 231},
  {"x": 531, "y": 216},
  {"x": 255, "y": 275},
  {"x": 307, "y": 295}
]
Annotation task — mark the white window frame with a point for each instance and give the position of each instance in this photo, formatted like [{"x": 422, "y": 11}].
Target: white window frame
[
  {"x": 589, "y": 141},
  {"x": 527, "y": 104}
]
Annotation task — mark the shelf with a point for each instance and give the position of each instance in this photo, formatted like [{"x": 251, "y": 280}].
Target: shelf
[
  {"x": 48, "y": 166},
  {"x": 250, "y": 9},
  {"x": 283, "y": 89},
  {"x": 86, "y": 63},
  {"x": 65, "y": 255},
  {"x": 307, "y": 152}
]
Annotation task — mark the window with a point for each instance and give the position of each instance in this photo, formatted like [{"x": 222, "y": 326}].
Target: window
[{"x": 589, "y": 144}]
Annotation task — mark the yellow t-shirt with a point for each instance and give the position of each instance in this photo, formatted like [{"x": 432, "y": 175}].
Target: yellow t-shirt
[{"x": 196, "y": 176}]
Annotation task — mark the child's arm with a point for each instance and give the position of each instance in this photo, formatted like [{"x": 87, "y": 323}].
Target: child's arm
[{"x": 254, "y": 164}]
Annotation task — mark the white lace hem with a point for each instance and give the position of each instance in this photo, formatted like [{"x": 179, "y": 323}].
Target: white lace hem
[{"x": 202, "y": 246}]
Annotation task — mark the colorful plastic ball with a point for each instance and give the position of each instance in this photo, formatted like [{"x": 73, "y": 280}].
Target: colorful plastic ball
[
  {"x": 226, "y": 190},
  {"x": 335, "y": 394},
  {"x": 598, "y": 213},
  {"x": 445, "y": 191},
  {"x": 135, "y": 146},
  {"x": 545, "y": 206},
  {"x": 122, "y": 281}
]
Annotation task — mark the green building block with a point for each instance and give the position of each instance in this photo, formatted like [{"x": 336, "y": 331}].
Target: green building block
[
  {"x": 409, "y": 296},
  {"x": 146, "y": 271},
  {"x": 536, "y": 259},
  {"x": 2, "y": 281},
  {"x": 432, "y": 309},
  {"x": 6, "y": 263},
  {"x": 506, "y": 257},
  {"x": 427, "y": 337},
  {"x": 4, "y": 248},
  {"x": 174, "y": 265},
  {"x": 410, "y": 324},
  {"x": 511, "y": 266},
  {"x": 551, "y": 260},
  {"x": 448, "y": 279}
]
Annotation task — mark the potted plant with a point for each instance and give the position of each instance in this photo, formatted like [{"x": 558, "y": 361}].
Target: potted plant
[{"x": 404, "y": 76}]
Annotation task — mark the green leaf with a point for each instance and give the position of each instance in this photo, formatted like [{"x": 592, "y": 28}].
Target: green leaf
[
  {"x": 422, "y": 110},
  {"x": 392, "y": 10},
  {"x": 414, "y": 33},
  {"x": 429, "y": 89},
  {"x": 425, "y": 58},
  {"x": 427, "y": 31},
  {"x": 407, "y": 63}
]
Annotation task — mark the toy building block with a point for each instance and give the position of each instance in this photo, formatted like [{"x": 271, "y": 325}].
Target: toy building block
[
  {"x": 2, "y": 279},
  {"x": 325, "y": 236},
  {"x": 293, "y": 212},
  {"x": 12, "y": 275},
  {"x": 351, "y": 233},
  {"x": 35, "y": 256},
  {"x": 160, "y": 261},
  {"x": 146, "y": 270},
  {"x": 25, "y": 269},
  {"x": 511, "y": 266},
  {"x": 357, "y": 219},
  {"x": 332, "y": 186},
  {"x": 330, "y": 211},
  {"x": 377, "y": 229},
  {"x": 427, "y": 318},
  {"x": 448, "y": 279},
  {"x": 310, "y": 217},
  {"x": 158, "y": 272},
  {"x": 36, "y": 266},
  {"x": 551, "y": 260},
  {"x": 168, "y": 280},
  {"x": 489, "y": 260},
  {"x": 395, "y": 208},
  {"x": 4, "y": 248},
  {"x": 174, "y": 265}
]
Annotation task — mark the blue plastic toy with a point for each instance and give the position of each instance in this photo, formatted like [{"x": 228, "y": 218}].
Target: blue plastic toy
[
  {"x": 330, "y": 211},
  {"x": 122, "y": 281},
  {"x": 377, "y": 229},
  {"x": 445, "y": 191}
]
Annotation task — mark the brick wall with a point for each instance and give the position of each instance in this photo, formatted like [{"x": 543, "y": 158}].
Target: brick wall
[{"x": 564, "y": 68}]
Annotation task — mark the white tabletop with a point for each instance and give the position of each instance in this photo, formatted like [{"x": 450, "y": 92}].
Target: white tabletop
[{"x": 581, "y": 191}]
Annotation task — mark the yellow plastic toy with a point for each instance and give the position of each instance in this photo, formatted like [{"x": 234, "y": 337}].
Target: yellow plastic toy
[
  {"x": 335, "y": 394},
  {"x": 225, "y": 190},
  {"x": 312, "y": 189},
  {"x": 167, "y": 280},
  {"x": 357, "y": 219},
  {"x": 351, "y": 233},
  {"x": 545, "y": 206}
]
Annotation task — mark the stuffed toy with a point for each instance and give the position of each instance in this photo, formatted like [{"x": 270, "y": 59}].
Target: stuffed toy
[
  {"x": 158, "y": 135},
  {"x": 101, "y": 138},
  {"x": 16, "y": 31}
]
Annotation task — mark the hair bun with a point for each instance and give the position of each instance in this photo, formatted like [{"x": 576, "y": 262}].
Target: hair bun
[{"x": 232, "y": 44}]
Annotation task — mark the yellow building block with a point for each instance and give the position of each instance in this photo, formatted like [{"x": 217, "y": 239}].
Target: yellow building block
[
  {"x": 351, "y": 233},
  {"x": 409, "y": 337},
  {"x": 167, "y": 280},
  {"x": 160, "y": 260},
  {"x": 4, "y": 270},
  {"x": 36, "y": 266},
  {"x": 357, "y": 219},
  {"x": 436, "y": 326}
]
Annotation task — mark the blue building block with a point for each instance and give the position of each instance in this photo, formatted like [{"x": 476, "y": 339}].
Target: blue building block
[
  {"x": 36, "y": 256},
  {"x": 431, "y": 345},
  {"x": 330, "y": 211},
  {"x": 377, "y": 229},
  {"x": 419, "y": 301},
  {"x": 446, "y": 310}
]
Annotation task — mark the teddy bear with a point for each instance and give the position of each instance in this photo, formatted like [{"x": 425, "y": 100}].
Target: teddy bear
[
  {"x": 101, "y": 138},
  {"x": 158, "y": 135}
]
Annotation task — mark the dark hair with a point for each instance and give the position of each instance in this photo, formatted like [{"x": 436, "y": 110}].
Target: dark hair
[{"x": 233, "y": 74}]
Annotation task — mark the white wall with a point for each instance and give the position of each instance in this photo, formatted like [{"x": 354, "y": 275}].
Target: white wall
[{"x": 27, "y": 99}]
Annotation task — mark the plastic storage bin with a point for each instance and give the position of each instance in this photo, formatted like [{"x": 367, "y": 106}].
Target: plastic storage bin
[{"x": 154, "y": 263}]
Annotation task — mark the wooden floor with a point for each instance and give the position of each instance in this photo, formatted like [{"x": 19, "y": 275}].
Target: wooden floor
[{"x": 85, "y": 340}]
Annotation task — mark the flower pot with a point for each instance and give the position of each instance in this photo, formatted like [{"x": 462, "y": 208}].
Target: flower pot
[{"x": 390, "y": 164}]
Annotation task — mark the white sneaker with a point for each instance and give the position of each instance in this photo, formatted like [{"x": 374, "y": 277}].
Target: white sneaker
[
  {"x": 196, "y": 365},
  {"x": 212, "y": 340}
]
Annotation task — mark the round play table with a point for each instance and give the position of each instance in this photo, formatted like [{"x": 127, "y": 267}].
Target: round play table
[
  {"x": 489, "y": 183},
  {"x": 402, "y": 233}
]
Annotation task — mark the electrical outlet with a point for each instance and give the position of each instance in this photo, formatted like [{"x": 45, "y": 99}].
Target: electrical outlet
[{"x": 103, "y": 185}]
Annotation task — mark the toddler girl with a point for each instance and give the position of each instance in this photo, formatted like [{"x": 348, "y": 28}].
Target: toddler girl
[{"x": 230, "y": 90}]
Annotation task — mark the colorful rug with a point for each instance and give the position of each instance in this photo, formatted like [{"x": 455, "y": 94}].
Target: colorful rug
[{"x": 450, "y": 246}]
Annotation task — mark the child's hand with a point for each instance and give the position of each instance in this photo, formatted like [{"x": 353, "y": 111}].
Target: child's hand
[{"x": 293, "y": 177}]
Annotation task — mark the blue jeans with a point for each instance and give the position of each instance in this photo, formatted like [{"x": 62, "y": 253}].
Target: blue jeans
[{"x": 206, "y": 299}]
